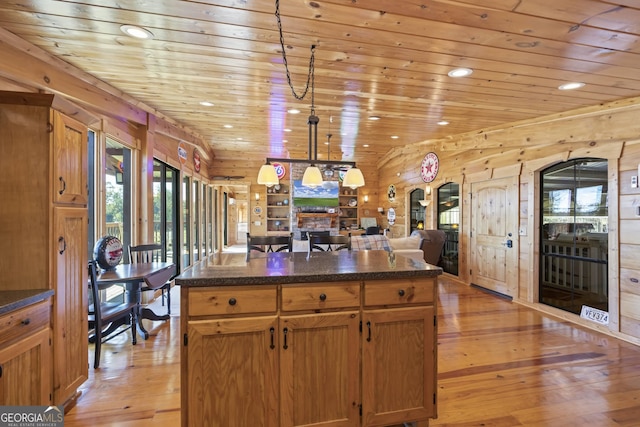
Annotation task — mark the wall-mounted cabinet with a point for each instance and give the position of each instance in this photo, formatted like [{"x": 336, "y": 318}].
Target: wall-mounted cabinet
[
  {"x": 348, "y": 210},
  {"x": 279, "y": 209}
]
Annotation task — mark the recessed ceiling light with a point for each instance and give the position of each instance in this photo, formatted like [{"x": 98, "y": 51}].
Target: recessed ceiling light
[
  {"x": 287, "y": 130},
  {"x": 571, "y": 86},
  {"x": 365, "y": 145},
  {"x": 374, "y": 117},
  {"x": 293, "y": 111},
  {"x": 460, "y": 72},
  {"x": 206, "y": 103},
  {"x": 443, "y": 122},
  {"x": 394, "y": 137},
  {"x": 136, "y": 32},
  {"x": 228, "y": 126}
]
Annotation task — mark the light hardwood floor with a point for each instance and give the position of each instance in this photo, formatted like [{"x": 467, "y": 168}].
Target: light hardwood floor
[{"x": 500, "y": 365}]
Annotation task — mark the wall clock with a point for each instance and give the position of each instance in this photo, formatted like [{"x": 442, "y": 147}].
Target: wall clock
[{"x": 429, "y": 167}]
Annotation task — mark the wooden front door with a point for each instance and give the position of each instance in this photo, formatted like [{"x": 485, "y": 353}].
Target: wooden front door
[{"x": 494, "y": 235}]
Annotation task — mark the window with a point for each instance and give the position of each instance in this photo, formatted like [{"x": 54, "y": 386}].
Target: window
[{"x": 117, "y": 201}]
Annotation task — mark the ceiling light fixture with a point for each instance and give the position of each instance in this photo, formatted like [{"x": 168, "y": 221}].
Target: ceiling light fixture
[
  {"x": 312, "y": 176},
  {"x": 136, "y": 32},
  {"x": 571, "y": 86},
  {"x": 460, "y": 72},
  {"x": 443, "y": 123}
]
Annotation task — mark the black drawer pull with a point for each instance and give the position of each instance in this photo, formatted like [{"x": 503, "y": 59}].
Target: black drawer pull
[
  {"x": 323, "y": 297},
  {"x": 25, "y": 322},
  {"x": 401, "y": 292},
  {"x": 232, "y": 301}
]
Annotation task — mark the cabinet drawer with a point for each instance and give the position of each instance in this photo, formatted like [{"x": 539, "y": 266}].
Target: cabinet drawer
[
  {"x": 232, "y": 300},
  {"x": 399, "y": 292},
  {"x": 317, "y": 296},
  {"x": 24, "y": 321}
]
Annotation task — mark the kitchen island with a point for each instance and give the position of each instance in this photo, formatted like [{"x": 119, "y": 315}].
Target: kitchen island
[{"x": 293, "y": 339}]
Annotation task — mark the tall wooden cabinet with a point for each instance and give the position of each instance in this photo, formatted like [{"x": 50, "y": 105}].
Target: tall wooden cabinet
[{"x": 44, "y": 217}]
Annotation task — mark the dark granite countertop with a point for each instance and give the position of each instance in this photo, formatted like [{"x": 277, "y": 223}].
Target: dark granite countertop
[
  {"x": 299, "y": 267},
  {"x": 14, "y": 300}
]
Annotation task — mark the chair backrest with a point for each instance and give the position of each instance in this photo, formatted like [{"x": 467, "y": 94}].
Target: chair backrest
[
  {"x": 333, "y": 243},
  {"x": 94, "y": 293},
  {"x": 432, "y": 244},
  {"x": 269, "y": 243},
  {"x": 372, "y": 230},
  {"x": 150, "y": 252}
]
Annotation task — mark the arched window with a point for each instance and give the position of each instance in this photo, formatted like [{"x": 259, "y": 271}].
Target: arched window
[
  {"x": 449, "y": 222},
  {"x": 417, "y": 210},
  {"x": 574, "y": 239}
]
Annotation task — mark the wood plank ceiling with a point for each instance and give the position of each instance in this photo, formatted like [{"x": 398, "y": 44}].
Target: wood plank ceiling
[{"x": 381, "y": 58}]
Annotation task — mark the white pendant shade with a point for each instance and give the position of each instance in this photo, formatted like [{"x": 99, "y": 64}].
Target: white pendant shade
[
  {"x": 268, "y": 176},
  {"x": 312, "y": 177},
  {"x": 353, "y": 179}
]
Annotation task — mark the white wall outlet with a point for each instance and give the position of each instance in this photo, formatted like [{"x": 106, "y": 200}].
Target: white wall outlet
[{"x": 634, "y": 182}]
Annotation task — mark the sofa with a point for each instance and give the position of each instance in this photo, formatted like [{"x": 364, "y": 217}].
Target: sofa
[{"x": 407, "y": 246}]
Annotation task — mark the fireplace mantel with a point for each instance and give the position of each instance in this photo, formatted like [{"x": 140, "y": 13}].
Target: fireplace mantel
[{"x": 315, "y": 215}]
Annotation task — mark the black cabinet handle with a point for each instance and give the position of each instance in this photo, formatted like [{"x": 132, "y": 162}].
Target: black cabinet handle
[
  {"x": 232, "y": 301},
  {"x": 25, "y": 322},
  {"x": 369, "y": 328},
  {"x": 285, "y": 331},
  {"x": 401, "y": 292},
  {"x": 64, "y": 185},
  {"x": 62, "y": 244},
  {"x": 272, "y": 331},
  {"x": 323, "y": 297}
]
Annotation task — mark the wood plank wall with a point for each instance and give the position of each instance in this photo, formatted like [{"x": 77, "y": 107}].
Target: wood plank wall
[{"x": 607, "y": 131}]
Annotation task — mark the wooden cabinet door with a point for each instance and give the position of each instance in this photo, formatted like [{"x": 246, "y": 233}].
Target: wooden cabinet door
[
  {"x": 25, "y": 371},
  {"x": 70, "y": 324},
  {"x": 69, "y": 160},
  {"x": 320, "y": 370},
  {"x": 232, "y": 373},
  {"x": 399, "y": 365}
]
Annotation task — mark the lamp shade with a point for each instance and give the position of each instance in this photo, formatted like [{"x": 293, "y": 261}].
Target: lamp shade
[
  {"x": 268, "y": 175},
  {"x": 312, "y": 177},
  {"x": 353, "y": 178}
]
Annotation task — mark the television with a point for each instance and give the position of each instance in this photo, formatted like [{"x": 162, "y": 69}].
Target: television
[{"x": 326, "y": 194}]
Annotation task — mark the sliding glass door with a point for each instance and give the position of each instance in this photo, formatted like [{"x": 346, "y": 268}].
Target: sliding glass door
[{"x": 165, "y": 210}]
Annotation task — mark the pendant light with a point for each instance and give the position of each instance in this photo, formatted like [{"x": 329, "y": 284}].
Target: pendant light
[
  {"x": 268, "y": 175},
  {"x": 353, "y": 178},
  {"x": 312, "y": 176}
]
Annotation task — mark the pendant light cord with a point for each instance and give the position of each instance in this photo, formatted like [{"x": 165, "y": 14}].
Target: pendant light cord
[{"x": 310, "y": 76}]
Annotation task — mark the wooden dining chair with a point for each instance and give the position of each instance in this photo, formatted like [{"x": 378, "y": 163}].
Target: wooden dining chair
[
  {"x": 108, "y": 319},
  {"x": 151, "y": 252},
  {"x": 332, "y": 243},
  {"x": 278, "y": 243}
]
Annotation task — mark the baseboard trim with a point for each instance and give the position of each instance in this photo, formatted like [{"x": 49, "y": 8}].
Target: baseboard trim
[{"x": 492, "y": 292}]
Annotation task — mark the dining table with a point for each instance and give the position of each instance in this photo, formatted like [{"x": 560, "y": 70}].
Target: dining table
[{"x": 133, "y": 276}]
